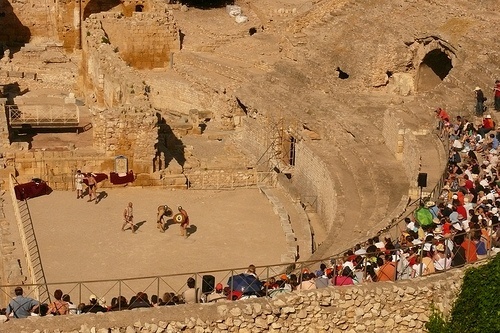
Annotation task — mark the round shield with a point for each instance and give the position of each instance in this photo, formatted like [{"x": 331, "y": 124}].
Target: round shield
[{"x": 179, "y": 218}]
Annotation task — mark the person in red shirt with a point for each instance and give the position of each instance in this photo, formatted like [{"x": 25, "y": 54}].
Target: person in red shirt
[
  {"x": 496, "y": 89},
  {"x": 443, "y": 117},
  {"x": 442, "y": 114},
  {"x": 487, "y": 125}
]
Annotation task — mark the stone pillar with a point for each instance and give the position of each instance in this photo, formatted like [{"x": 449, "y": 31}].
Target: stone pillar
[
  {"x": 77, "y": 23},
  {"x": 4, "y": 128}
]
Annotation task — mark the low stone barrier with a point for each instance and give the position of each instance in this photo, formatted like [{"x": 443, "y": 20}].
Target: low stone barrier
[{"x": 381, "y": 307}]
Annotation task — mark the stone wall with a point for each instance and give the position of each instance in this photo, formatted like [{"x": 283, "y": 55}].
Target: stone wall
[
  {"x": 381, "y": 307},
  {"x": 403, "y": 144},
  {"x": 149, "y": 40},
  {"x": 312, "y": 178},
  {"x": 22, "y": 20}
]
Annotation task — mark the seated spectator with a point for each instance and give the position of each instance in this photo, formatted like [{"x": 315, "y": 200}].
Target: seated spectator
[
  {"x": 481, "y": 251},
  {"x": 427, "y": 259},
  {"x": 321, "y": 270},
  {"x": 94, "y": 306},
  {"x": 346, "y": 278},
  {"x": 387, "y": 271},
  {"x": 271, "y": 283},
  {"x": 322, "y": 281},
  {"x": 307, "y": 282},
  {"x": 470, "y": 249},
  {"x": 380, "y": 245},
  {"x": 20, "y": 306},
  {"x": 41, "y": 311},
  {"x": 402, "y": 264},
  {"x": 169, "y": 299},
  {"x": 217, "y": 295},
  {"x": 441, "y": 260},
  {"x": 71, "y": 307},
  {"x": 119, "y": 304},
  {"x": 155, "y": 302},
  {"x": 458, "y": 254},
  {"x": 419, "y": 268},
  {"x": 58, "y": 307},
  {"x": 359, "y": 251}
]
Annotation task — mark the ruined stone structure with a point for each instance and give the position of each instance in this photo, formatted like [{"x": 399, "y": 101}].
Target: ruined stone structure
[{"x": 335, "y": 97}]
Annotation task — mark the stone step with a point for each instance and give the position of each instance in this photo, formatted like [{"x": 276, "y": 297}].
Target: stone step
[{"x": 229, "y": 69}]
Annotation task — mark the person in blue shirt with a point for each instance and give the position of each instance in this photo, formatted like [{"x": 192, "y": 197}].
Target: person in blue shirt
[{"x": 20, "y": 306}]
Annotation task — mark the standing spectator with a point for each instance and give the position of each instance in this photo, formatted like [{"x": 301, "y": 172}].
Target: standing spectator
[
  {"x": 58, "y": 307},
  {"x": 128, "y": 217},
  {"x": 479, "y": 101},
  {"x": 496, "y": 89},
  {"x": 79, "y": 184},
  {"x": 20, "y": 306},
  {"x": 192, "y": 294}
]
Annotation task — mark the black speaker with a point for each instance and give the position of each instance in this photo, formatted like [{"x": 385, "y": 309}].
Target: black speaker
[
  {"x": 207, "y": 284},
  {"x": 422, "y": 180}
]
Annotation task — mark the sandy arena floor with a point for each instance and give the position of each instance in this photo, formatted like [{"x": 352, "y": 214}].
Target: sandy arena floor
[{"x": 80, "y": 240}]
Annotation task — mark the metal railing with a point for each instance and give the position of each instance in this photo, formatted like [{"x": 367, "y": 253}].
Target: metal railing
[
  {"x": 175, "y": 284},
  {"x": 29, "y": 244},
  {"x": 65, "y": 115}
]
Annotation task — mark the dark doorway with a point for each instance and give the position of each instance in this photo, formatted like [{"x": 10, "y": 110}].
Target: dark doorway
[
  {"x": 342, "y": 75},
  {"x": 97, "y": 6},
  {"x": 207, "y": 4},
  {"x": 139, "y": 8},
  {"x": 435, "y": 66}
]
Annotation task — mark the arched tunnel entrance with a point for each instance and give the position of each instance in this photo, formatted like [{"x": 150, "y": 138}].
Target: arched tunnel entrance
[{"x": 435, "y": 66}]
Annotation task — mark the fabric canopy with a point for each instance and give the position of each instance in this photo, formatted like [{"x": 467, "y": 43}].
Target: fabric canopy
[{"x": 423, "y": 216}]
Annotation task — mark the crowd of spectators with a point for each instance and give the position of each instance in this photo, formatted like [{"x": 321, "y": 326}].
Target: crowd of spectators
[{"x": 460, "y": 227}]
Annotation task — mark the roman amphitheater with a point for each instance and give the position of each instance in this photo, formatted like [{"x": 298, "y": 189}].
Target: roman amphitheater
[{"x": 290, "y": 131}]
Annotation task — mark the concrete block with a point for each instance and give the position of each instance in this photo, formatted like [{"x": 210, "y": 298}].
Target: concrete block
[
  {"x": 290, "y": 237},
  {"x": 30, "y": 75},
  {"x": 16, "y": 74},
  {"x": 287, "y": 229}
]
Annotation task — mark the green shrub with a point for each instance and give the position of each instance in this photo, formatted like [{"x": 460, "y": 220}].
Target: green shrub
[{"x": 477, "y": 307}]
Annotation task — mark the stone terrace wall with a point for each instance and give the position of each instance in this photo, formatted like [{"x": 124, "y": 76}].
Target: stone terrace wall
[
  {"x": 108, "y": 80},
  {"x": 111, "y": 89},
  {"x": 312, "y": 178},
  {"x": 149, "y": 40},
  {"x": 382, "y": 307},
  {"x": 403, "y": 144}
]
